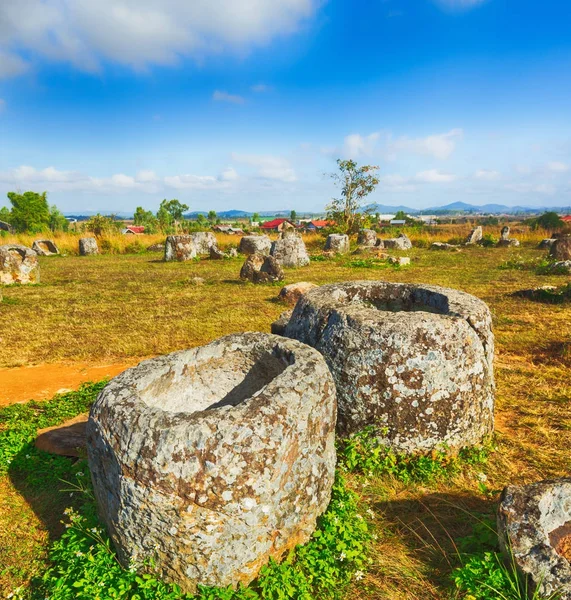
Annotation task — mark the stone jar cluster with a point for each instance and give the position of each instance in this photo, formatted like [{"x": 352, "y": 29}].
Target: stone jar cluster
[{"x": 211, "y": 461}]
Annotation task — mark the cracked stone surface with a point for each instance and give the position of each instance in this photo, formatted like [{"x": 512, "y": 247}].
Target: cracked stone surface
[
  {"x": 18, "y": 264},
  {"x": 180, "y": 248},
  {"x": 212, "y": 460},
  {"x": 88, "y": 246},
  {"x": 45, "y": 247},
  {"x": 338, "y": 243},
  {"x": 290, "y": 250},
  {"x": 252, "y": 244},
  {"x": 367, "y": 238},
  {"x": 534, "y": 524},
  {"x": 415, "y": 361},
  {"x": 292, "y": 292},
  {"x": 203, "y": 242}
]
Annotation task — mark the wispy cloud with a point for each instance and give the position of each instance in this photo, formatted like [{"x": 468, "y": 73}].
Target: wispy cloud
[
  {"x": 487, "y": 175},
  {"x": 226, "y": 97},
  {"x": 434, "y": 176},
  {"x": 268, "y": 166},
  {"x": 439, "y": 146},
  {"x": 557, "y": 167},
  {"x": 459, "y": 4},
  {"x": 260, "y": 88}
]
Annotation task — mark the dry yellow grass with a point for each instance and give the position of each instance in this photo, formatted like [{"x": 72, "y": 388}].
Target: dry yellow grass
[{"x": 124, "y": 306}]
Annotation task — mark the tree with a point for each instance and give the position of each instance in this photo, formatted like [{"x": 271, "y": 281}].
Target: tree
[
  {"x": 57, "y": 221},
  {"x": 174, "y": 208},
  {"x": 356, "y": 183},
  {"x": 5, "y": 214},
  {"x": 548, "y": 220},
  {"x": 212, "y": 216},
  {"x": 201, "y": 219},
  {"x": 99, "y": 224},
  {"x": 30, "y": 211},
  {"x": 293, "y": 215},
  {"x": 255, "y": 218},
  {"x": 400, "y": 216},
  {"x": 164, "y": 218}
]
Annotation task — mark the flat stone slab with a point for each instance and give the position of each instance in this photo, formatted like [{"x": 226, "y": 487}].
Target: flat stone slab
[
  {"x": 534, "y": 527},
  {"x": 67, "y": 439},
  {"x": 213, "y": 460},
  {"x": 413, "y": 360}
]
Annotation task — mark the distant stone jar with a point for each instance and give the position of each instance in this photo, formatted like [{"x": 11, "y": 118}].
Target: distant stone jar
[
  {"x": 415, "y": 361},
  {"x": 87, "y": 246},
  {"x": 534, "y": 528},
  {"x": 179, "y": 248},
  {"x": 252, "y": 244},
  {"x": 18, "y": 264},
  {"x": 289, "y": 250},
  {"x": 203, "y": 242},
  {"x": 338, "y": 243},
  {"x": 561, "y": 248},
  {"x": 213, "y": 460},
  {"x": 367, "y": 238},
  {"x": 45, "y": 247}
]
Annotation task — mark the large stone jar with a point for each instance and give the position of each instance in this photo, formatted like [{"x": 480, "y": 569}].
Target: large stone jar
[
  {"x": 203, "y": 242},
  {"x": 213, "y": 460},
  {"x": 289, "y": 250},
  {"x": 88, "y": 246},
  {"x": 338, "y": 243},
  {"x": 415, "y": 361},
  {"x": 367, "y": 238},
  {"x": 18, "y": 264},
  {"x": 179, "y": 248},
  {"x": 534, "y": 527}
]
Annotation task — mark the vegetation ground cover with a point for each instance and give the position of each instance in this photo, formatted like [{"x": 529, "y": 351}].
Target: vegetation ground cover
[{"x": 119, "y": 306}]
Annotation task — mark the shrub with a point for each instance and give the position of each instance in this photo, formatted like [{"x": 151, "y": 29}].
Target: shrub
[{"x": 488, "y": 241}]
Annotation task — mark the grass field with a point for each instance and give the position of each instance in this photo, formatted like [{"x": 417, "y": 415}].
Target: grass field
[{"x": 123, "y": 306}]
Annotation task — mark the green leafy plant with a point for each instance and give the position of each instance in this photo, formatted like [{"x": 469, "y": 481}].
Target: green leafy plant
[{"x": 367, "y": 452}]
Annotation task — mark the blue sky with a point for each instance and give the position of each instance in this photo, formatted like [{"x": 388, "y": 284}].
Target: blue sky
[{"x": 225, "y": 104}]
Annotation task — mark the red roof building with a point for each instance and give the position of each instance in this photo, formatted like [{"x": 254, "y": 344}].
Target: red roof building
[
  {"x": 317, "y": 224},
  {"x": 276, "y": 224},
  {"x": 566, "y": 219},
  {"x": 134, "y": 229}
]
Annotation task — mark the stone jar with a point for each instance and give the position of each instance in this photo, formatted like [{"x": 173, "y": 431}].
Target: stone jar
[
  {"x": 179, "y": 248},
  {"x": 290, "y": 250},
  {"x": 415, "y": 361},
  {"x": 18, "y": 264},
  {"x": 338, "y": 243},
  {"x": 88, "y": 246},
  {"x": 213, "y": 460},
  {"x": 367, "y": 238},
  {"x": 252, "y": 244},
  {"x": 45, "y": 247}
]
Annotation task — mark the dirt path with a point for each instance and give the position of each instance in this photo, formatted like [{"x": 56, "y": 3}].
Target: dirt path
[{"x": 41, "y": 382}]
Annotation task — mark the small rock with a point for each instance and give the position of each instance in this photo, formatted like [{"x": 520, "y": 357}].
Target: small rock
[
  {"x": 561, "y": 248},
  {"x": 399, "y": 260},
  {"x": 197, "y": 280},
  {"x": 443, "y": 246},
  {"x": 67, "y": 439},
  {"x": 88, "y": 246},
  {"x": 291, "y": 293},
  {"x": 156, "y": 248},
  {"x": 562, "y": 266},
  {"x": 278, "y": 326},
  {"x": 505, "y": 242},
  {"x": 217, "y": 254}
]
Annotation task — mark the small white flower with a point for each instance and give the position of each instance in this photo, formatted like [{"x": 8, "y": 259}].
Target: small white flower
[
  {"x": 27, "y": 456},
  {"x": 482, "y": 477},
  {"x": 79, "y": 553},
  {"x": 359, "y": 516},
  {"x": 371, "y": 513},
  {"x": 359, "y": 575},
  {"x": 80, "y": 473},
  {"x": 342, "y": 556}
]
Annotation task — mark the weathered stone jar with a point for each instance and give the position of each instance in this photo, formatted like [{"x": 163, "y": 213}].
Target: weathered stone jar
[
  {"x": 18, "y": 264},
  {"x": 212, "y": 460},
  {"x": 413, "y": 360},
  {"x": 534, "y": 527}
]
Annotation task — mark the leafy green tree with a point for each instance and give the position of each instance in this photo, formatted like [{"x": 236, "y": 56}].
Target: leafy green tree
[
  {"x": 255, "y": 218},
  {"x": 201, "y": 219},
  {"x": 5, "y": 214},
  {"x": 164, "y": 218},
  {"x": 356, "y": 183},
  {"x": 548, "y": 220},
  {"x": 293, "y": 215},
  {"x": 174, "y": 208},
  {"x": 57, "y": 221},
  {"x": 400, "y": 216},
  {"x": 30, "y": 211},
  {"x": 147, "y": 219},
  {"x": 212, "y": 216},
  {"x": 100, "y": 224}
]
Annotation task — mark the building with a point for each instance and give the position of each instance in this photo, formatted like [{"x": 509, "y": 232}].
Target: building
[
  {"x": 316, "y": 225},
  {"x": 228, "y": 229},
  {"x": 133, "y": 230},
  {"x": 566, "y": 219},
  {"x": 398, "y": 222},
  {"x": 277, "y": 225}
]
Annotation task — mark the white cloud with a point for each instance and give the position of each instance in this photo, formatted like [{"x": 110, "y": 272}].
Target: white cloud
[
  {"x": 229, "y": 174},
  {"x": 487, "y": 175},
  {"x": 557, "y": 167},
  {"x": 434, "y": 176},
  {"x": 145, "y": 181},
  {"x": 439, "y": 146},
  {"x": 260, "y": 88},
  {"x": 226, "y": 97},
  {"x": 356, "y": 145},
  {"x": 141, "y": 32},
  {"x": 267, "y": 166},
  {"x": 531, "y": 188}
]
